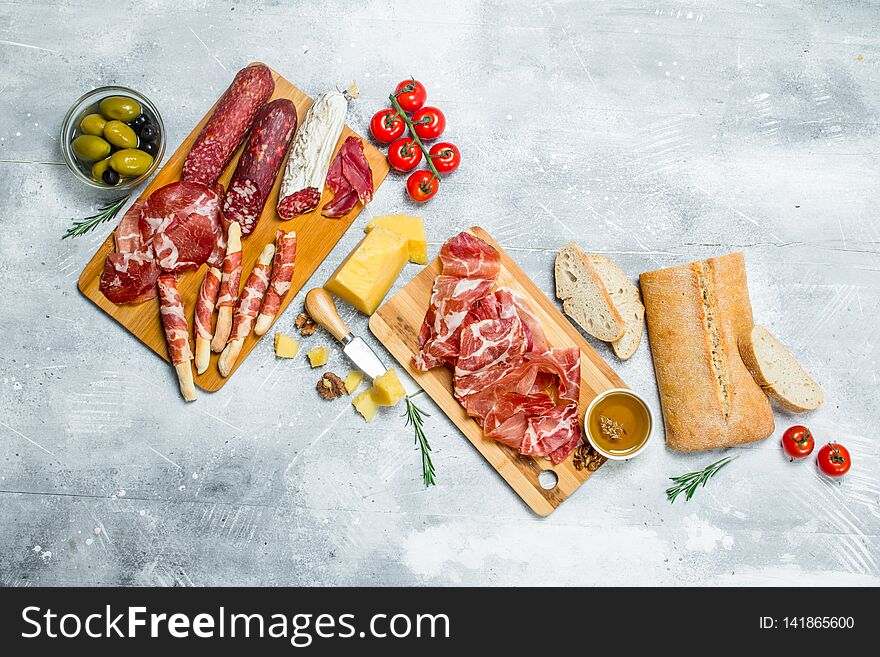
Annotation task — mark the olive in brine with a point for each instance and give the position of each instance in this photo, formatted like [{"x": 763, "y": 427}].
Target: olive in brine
[
  {"x": 120, "y": 108},
  {"x": 93, "y": 124},
  {"x": 130, "y": 162},
  {"x": 138, "y": 121},
  {"x": 99, "y": 167},
  {"x": 110, "y": 177},
  {"x": 149, "y": 132},
  {"x": 120, "y": 135},
  {"x": 150, "y": 147},
  {"x": 90, "y": 148}
]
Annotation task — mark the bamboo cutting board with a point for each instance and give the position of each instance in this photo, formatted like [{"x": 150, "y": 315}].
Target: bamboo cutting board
[
  {"x": 396, "y": 324},
  {"x": 316, "y": 237}
]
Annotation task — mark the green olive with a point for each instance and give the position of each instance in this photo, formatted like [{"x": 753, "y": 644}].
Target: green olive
[
  {"x": 121, "y": 108},
  {"x": 130, "y": 162},
  {"x": 120, "y": 135},
  {"x": 99, "y": 167},
  {"x": 93, "y": 124},
  {"x": 90, "y": 148}
]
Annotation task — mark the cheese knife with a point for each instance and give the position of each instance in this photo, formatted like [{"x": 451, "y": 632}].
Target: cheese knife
[{"x": 320, "y": 305}]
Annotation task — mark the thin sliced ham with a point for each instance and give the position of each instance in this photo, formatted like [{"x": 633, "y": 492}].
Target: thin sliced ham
[{"x": 349, "y": 178}]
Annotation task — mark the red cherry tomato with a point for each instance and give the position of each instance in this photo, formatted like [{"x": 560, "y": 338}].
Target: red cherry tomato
[
  {"x": 411, "y": 95},
  {"x": 387, "y": 125},
  {"x": 404, "y": 154},
  {"x": 445, "y": 156},
  {"x": 429, "y": 123},
  {"x": 834, "y": 460},
  {"x": 797, "y": 441},
  {"x": 422, "y": 185}
]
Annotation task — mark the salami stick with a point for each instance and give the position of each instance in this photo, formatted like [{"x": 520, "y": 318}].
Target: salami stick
[
  {"x": 228, "y": 287},
  {"x": 203, "y": 315},
  {"x": 177, "y": 334},
  {"x": 282, "y": 273},
  {"x": 248, "y": 306}
]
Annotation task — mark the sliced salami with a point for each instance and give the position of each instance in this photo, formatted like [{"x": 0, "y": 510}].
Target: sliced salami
[
  {"x": 228, "y": 125},
  {"x": 260, "y": 162}
]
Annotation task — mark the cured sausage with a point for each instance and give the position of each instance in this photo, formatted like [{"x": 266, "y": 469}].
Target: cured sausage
[
  {"x": 224, "y": 131},
  {"x": 310, "y": 153},
  {"x": 229, "y": 283},
  {"x": 279, "y": 286},
  {"x": 248, "y": 306},
  {"x": 176, "y": 334},
  {"x": 260, "y": 161},
  {"x": 202, "y": 316}
]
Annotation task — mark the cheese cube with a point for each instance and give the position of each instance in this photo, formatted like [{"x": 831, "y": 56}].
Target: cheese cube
[
  {"x": 387, "y": 390},
  {"x": 411, "y": 228},
  {"x": 317, "y": 356},
  {"x": 285, "y": 346},
  {"x": 353, "y": 380},
  {"x": 365, "y": 404},
  {"x": 365, "y": 276}
]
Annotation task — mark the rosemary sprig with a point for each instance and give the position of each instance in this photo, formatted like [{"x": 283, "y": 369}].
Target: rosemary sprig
[
  {"x": 105, "y": 213},
  {"x": 416, "y": 417},
  {"x": 689, "y": 482}
]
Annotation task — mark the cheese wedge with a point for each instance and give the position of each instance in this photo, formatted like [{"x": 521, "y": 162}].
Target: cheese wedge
[
  {"x": 366, "y": 404},
  {"x": 411, "y": 228},
  {"x": 353, "y": 380},
  {"x": 317, "y": 356},
  {"x": 285, "y": 347},
  {"x": 366, "y": 275},
  {"x": 387, "y": 390}
]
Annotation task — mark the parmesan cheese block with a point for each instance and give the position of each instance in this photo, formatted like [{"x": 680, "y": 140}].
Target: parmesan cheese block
[
  {"x": 411, "y": 228},
  {"x": 387, "y": 390},
  {"x": 366, "y": 275},
  {"x": 365, "y": 404},
  {"x": 353, "y": 380},
  {"x": 317, "y": 356},
  {"x": 285, "y": 346}
]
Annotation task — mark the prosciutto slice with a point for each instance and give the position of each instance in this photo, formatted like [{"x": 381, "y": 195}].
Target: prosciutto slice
[
  {"x": 279, "y": 285},
  {"x": 129, "y": 277},
  {"x": 349, "y": 178},
  {"x": 251, "y": 299},
  {"x": 523, "y": 392},
  {"x": 174, "y": 320}
]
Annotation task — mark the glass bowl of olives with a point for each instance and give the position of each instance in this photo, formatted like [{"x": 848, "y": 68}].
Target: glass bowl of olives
[{"x": 113, "y": 138}]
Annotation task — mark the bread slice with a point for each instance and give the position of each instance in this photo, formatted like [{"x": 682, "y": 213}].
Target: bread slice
[
  {"x": 626, "y": 298},
  {"x": 778, "y": 373},
  {"x": 584, "y": 297}
]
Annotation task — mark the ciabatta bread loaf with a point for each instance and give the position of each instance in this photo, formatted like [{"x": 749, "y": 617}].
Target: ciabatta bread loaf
[
  {"x": 584, "y": 297},
  {"x": 778, "y": 373},
  {"x": 626, "y": 298},
  {"x": 696, "y": 315}
]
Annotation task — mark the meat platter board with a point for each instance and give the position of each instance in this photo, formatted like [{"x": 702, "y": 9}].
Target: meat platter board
[
  {"x": 396, "y": 324},
  {"x": 316, "y": 237}
]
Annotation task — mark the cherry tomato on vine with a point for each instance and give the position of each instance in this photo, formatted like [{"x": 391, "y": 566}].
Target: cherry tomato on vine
[
  {"x": 834, "y": 460},
  {"x": 411, "y": 95},
  {"x": 387, "y": 125},
  {"x": 445, "y": 156},
  {"x": 797, "y": 441},
  {"x": 429, "y": 123},
  {"x": 422, "y": 185},
  {"x": 404, "y": 154}
]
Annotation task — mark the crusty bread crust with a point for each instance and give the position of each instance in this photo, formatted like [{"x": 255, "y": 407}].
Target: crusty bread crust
[
  {"x": 696, "y": 314},
  {"x": 753, "y": 365}
]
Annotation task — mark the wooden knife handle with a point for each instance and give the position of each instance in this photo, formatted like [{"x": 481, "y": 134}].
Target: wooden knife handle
[{"x": 319, "y": 304}]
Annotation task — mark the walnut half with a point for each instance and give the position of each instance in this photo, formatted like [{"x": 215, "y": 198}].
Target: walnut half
[
  {"x": 305, "y": 324},
  {"x": 330, "y": 386}
]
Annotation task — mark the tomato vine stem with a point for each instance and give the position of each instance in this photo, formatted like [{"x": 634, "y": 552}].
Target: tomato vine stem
[{"x": 410, "y": 126}]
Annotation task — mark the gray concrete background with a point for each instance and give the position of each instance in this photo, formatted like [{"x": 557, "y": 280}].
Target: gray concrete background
[{"x": 656, "y": 133}]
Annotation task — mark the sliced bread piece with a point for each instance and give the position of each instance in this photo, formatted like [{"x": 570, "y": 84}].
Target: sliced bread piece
[
  {"x": 626, "y": 298},
  {"x": 584, "y": 297},
  {"x": 778, "y": 373}
]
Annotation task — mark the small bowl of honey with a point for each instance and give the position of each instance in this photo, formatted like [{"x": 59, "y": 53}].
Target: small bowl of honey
[{"x": 618, "y": 423}]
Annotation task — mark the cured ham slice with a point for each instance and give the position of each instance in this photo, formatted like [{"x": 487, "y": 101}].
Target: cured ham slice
[
  {"x": 279, "y": 285},
  {"x": 184, "y": 244},
  {"x": 349, "y": 178},
  {"x": 203, "y": 315},
  {"x": 129, "y": 277},
  {"x": 248, "y": 307},
  {"x": 505, "y": 374},
  {"x": 127, "y": 235},
  {"x": 229, "y": 283},
  {"x": 176, "y": 334}
]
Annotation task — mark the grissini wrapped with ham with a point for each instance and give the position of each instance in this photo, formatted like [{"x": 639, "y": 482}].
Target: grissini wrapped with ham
[
  {"x": 259, "y": 164},
  {"x": 279, "y": 286},
  {"x": 310, "y": 153},
  {"x": 248, "y": 306},
  {"x": 228, "y": 125},
  {"x": 176, "y": 333},
  {"x": 229, "y": 281},
  {"x": 203, "y": 315}
]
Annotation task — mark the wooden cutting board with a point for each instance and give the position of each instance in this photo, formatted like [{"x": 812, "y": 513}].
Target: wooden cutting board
[
  {"x": 316, "y": 237},
  {"x": 396, "y": 324}
]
